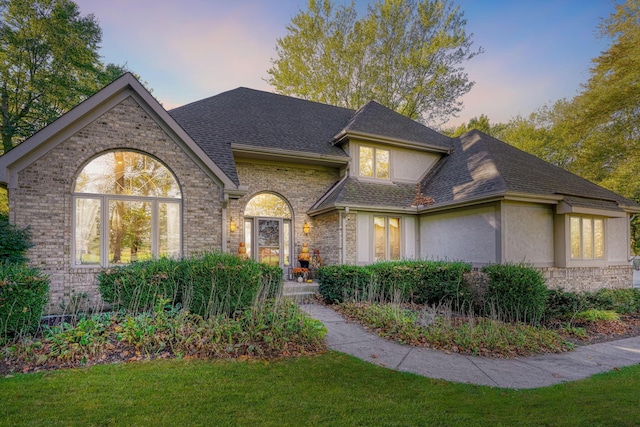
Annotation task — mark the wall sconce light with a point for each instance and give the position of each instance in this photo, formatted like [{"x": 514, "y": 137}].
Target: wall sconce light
[
  {"x": 232, "y": 225},
  {"x": 306, "y": 227}
]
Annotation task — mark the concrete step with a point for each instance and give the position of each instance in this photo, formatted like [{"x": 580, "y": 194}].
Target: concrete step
[{"x": 296, "y": 288}]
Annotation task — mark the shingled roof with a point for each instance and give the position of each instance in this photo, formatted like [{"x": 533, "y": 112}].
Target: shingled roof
[
  {"x": 376, "y": 120},
  {"x": 260, "y": 119},
  {"x": 481, "y": 166}
]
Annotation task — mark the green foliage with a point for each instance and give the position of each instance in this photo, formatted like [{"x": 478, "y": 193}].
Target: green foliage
[
  {"x": 14, "y": 241},
  {"x": 565, "y": 305},
  {"x": 343, "y": 282},
  {"x": 623, "y": 301},
  {"x": 594, "y": 315},
  {"x": 429, "y": 282},
  {"x": 476, "y": 336},
  {"x": 405, "y": 54},
  {"x": 515, "y": 292},
  {"x": 210, "y": 284},
  {"x": 23, "y": 294},
  {"x": 4, "y": 202}
]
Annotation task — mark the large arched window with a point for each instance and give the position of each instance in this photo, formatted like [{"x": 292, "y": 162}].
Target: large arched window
[
  {"x": 127, "y": 207},
  {"x": 267, "y": 229}
]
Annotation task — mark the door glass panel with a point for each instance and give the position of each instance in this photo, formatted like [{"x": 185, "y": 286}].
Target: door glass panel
[
  {"x": 286, "y": 244},
  {"x": 269, "y": 241},
  {"x": 248, "y": 236}
]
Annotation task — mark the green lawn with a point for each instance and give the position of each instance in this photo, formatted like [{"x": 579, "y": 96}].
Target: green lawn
[{"x": 330, "y": 389}]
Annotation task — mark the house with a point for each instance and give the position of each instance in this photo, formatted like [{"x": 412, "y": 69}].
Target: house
[{"x": 119, "y": 179}]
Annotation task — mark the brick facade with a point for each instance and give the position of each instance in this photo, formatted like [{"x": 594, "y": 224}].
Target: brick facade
[
  {"x": 588, "y": 279},
  {"x": 43, "y": 199},
  {"x": 301, "y": 187}
]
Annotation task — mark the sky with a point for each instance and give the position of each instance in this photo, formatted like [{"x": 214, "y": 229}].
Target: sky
[{"x": 535, "y": 51}]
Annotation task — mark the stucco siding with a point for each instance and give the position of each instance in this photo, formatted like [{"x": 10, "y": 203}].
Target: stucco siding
[
  {"x": 528, "y": 233},
  {"x": 618, "y": 241},
  {"x": 470, "y": 235}
]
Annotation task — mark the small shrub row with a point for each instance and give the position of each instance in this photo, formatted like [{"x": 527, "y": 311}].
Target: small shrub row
[
  {"x": 23, "y": 294},
  {"x": 209, "y": 284},
  {"x": 424, "y": 282},
  {"x": 565, "y": 305}
]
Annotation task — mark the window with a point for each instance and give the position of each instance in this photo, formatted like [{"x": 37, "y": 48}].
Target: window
[
  {"x": 374, "y": 162},
  {"x": 386, "y": 238},
  {"x": 587, "y": 237},
  {"x": 127, "y": 207}
]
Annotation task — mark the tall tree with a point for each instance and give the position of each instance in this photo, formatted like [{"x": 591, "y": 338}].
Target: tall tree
[
  {"x": 406, "y": 54},
  {"x": 48, "y": 63}
]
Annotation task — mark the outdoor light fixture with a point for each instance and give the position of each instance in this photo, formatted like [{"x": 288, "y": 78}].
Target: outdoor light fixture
[
  {"x": 232, "y": 225},
  {"x": 306, "y": 227}
]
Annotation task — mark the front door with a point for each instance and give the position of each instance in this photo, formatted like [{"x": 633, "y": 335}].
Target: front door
[{"x": 269, "y": 241}]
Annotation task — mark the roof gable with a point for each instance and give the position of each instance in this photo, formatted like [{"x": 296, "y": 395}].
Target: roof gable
[
  {"x": 378, "y": 122},
  {"x": 84, "y": 113}
]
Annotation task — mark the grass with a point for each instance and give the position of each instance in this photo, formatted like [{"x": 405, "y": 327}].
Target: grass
[{"x": 330, "y": 389}]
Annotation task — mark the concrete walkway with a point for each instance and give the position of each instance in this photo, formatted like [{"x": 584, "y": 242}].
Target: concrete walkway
[{"x": 529, "y": 372}]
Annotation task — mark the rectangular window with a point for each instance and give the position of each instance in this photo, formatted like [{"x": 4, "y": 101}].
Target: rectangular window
[
  {"x": 87, "y": 244},
  {"x": 386, "y": 238},
  {"x": 374, "y": 163},
  {"x": 169, "y": 229},
  {"x": 587, "y": 237}
]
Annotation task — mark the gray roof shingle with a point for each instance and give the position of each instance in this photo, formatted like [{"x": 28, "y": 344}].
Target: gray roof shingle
[
  {"x": 353, "y": 192},
  {"x": 482, "y": 166},
  {"x": 261, "y": 119}
]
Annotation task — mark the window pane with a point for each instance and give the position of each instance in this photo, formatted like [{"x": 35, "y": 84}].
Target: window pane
[
  {"x": 129, "y": 173},
  {"x": 129, "y": 231},
  {"x": 268, "y": 205},
  {"x": 366, "y": 161},
  {"x": 169, "y": 229},
  {"x": 575, "y": 238},
  {"x": 587, "y": 238},
  {"x": 248, "y": 236},
  {"x": 598, "y": 237},
  {"x": 379, "y": 238},
  {"x": 87, "y": 244},
  {"x": 382, "y": 164},
  {"x": 394, "y": 238},
  {"x": 286, "y": 246}
]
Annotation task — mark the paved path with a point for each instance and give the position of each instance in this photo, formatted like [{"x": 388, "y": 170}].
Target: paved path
[{"x": 528, "y": 372}]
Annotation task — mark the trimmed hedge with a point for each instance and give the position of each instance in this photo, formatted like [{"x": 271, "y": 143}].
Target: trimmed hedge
[
  {"x": 515, "y": 292},
  {"x": 14, "y": 241},
  {"x": 210, "y": 284},
  {"x": 23, "y": 294},
  {"x": 429, "y": 282}
]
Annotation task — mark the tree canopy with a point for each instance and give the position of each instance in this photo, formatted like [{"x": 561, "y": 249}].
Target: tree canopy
[
  {"x": 405, "y": 54},
  {"x": 49, "y": 63}
]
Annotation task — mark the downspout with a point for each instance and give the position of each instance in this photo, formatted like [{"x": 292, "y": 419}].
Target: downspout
[{"x": 343, "y": 224}]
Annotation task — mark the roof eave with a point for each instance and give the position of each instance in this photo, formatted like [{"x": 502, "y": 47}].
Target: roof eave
[
  {"x": 414, "y": 145},
  {"x": 279, "y": 154}
]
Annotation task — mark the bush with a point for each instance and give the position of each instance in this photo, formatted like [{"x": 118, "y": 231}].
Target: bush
[
  {"x": 344, "y": 282},
  {"x": 565, "y": 305},
  {"x": 14, "y": 241},
  {"x": 623, "y": 301},
  {"x": 429, "y": 282},
  {"x": 209, "y": 284},
  {"x": 594, "y": 315},
  {"x": 23, "y": 294},
  {"x": 515, "y": 293}
]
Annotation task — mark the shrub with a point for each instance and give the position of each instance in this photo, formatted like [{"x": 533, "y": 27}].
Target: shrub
[
  {"x": 23, "y": 293},
  {"x": 515, "y": 292},
  {"x": 624, "y": 301},
  {"x": 441, "y": 282},
  {"x": 209, "y": 284},
  {"x": 137, "y": 286},
  {"x": 593, "y": 315},
  {"x": 564, "y": 305},
  {"x": 340, "y": 282},
  {"x": 14, "y": 241}
]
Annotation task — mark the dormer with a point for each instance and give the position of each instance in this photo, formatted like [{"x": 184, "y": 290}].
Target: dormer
[{"x": 388, "y": 147}]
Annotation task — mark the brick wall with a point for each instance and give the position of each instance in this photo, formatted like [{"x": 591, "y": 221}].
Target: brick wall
[
  {"x": 581, "y": 279},
  {"x": 301, "y": 187},
  {"x": 43, "y": 199}
]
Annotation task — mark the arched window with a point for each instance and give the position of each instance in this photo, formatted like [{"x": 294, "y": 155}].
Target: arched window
[
  {"x": 267, "y": 229},
  {"x": 127, "y": 207}
]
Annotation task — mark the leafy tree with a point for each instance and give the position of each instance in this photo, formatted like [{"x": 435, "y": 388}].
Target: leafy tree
[
  {"x": 406, "y": 54},
  {"x": 14, "y": 241},
  {"x": 48, "y": 64},
  {"x": 4, "y": 201}
]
